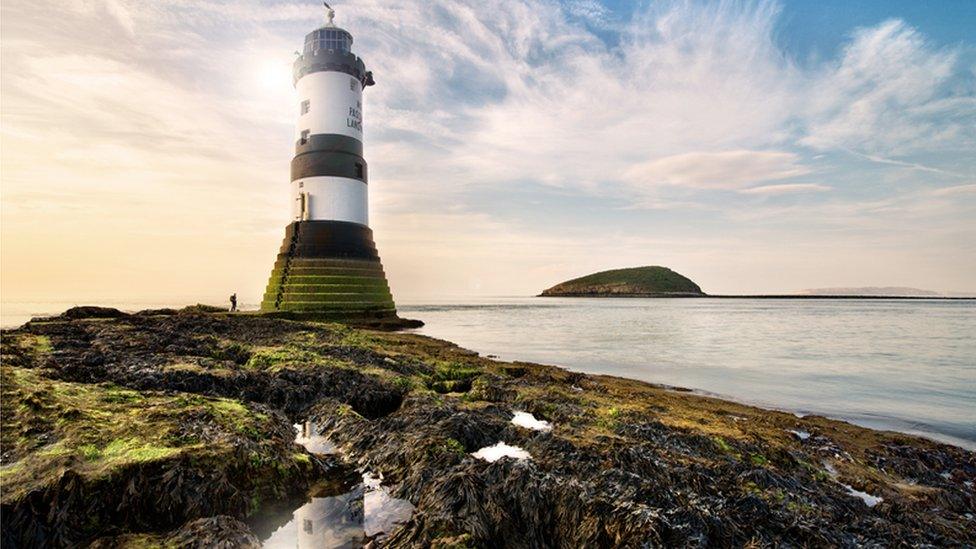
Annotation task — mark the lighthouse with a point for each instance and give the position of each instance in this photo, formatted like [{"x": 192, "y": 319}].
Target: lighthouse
[{"x": 328, "y": 264}]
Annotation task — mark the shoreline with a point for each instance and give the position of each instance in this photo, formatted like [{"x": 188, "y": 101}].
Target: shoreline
[
  {"x": 881, "y": 423},
  {"x": 418, "y": 411}
]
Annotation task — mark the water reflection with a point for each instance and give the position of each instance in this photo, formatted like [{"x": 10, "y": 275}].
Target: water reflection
[
  {"x": 339, "y": 513},
  {"x": 307, "y": 436}
]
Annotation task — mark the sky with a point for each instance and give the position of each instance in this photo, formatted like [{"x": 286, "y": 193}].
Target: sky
[{"x": 754, "y": 146}]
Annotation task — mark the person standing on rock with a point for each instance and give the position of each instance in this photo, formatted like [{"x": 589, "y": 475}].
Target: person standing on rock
[{"x": 233, "y": 303}]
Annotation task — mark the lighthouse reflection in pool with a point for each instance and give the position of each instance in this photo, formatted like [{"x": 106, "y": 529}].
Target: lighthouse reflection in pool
[{"x": 338, "y": 515}]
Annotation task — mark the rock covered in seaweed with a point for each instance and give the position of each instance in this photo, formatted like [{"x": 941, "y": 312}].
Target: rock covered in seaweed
[
  {"x": 83, "y": 459},
  {"x": 625, "y": 463}
]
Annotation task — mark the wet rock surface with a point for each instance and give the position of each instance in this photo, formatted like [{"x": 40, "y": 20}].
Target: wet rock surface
[{"x": 625, "y": 463}]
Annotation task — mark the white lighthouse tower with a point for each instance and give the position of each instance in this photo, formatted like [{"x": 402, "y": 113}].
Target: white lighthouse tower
[
  {"x": 329, "y": 173},
  {"x": 328, "y": 264}
]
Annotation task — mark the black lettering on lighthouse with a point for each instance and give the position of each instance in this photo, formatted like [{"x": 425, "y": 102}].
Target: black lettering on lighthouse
[{"x": 355, "y": 119}]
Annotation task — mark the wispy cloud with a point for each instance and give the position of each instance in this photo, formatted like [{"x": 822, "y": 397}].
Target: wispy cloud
[
  {"x": 956, "y": 190},
  {"x": 722, "y": 170},
  {"x": 789, "y": 188},
  {"x": 890, "y": 93}
]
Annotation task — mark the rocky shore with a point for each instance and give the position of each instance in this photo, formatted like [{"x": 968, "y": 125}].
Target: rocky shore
[{"x": 175, "y": 428}]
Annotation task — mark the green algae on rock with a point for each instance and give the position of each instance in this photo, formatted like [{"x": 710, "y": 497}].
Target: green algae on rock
[
  {"x": 633, "y": 282},
  {"x": 83, "y": 459},
  {"x": 624, "y": 463}
]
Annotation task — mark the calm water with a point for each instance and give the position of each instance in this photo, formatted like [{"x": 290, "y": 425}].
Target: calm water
[
  {"x": 908, "y": 366},
  {"x": 334, "y": 515}
]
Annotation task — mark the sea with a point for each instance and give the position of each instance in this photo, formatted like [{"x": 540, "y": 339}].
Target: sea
[{"x": 901, "y": 365}]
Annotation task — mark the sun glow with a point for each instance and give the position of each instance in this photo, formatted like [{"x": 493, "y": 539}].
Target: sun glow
[{"x": 273, "y": 76}]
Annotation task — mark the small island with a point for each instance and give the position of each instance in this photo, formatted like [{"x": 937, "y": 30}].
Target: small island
[{"x": 633, "y": 282}]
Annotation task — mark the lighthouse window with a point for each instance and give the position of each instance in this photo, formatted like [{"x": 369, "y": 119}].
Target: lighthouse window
[
  {"x": 328, "y": 39},
  {"x": 305, "y": 136},
  {"x": 305, "y": 105},
  {"x": 359, "y": 170}
]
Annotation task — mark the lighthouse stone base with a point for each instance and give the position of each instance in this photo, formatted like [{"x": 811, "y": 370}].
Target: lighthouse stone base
[{"x": 329, "y": 270}]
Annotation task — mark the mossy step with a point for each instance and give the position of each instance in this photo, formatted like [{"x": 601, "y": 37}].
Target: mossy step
[
  {"x": 319, "y": 264},
  {"x": 310, "y": 279},
  {"x": 330, "y": 271},
  {"x": 301, "y": 287},
  {"x": 332, "y": 316},
  {"x": 330, "y": 288},
  {"x": 379, "y": 294},
  {"x": 370, "y": 297},
  {"x": 323, "y": 306},
  {"x": 337, "y": 298},
  {"x": 327, "y": 299},
  {"x": 328, "y": 263}
]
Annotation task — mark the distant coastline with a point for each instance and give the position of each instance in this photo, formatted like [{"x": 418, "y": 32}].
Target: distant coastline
[{"x": 662, "y": 282}]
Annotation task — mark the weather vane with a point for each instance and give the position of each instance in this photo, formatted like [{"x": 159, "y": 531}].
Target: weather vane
[{"x": 330, "y": 14}]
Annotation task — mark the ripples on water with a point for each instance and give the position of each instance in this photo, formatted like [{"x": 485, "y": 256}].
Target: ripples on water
[{"x": 905, "y": 365}]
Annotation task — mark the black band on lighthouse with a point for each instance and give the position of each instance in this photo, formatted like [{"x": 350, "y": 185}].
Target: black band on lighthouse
[
  {"x": 329, "y": 240},
  {"x": 329, "y": 142},
  {"x": 326, "y": 60},
  {"x": 329, "y": 163}
]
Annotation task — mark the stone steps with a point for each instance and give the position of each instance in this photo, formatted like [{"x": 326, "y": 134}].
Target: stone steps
[{"x": 328, "y": 286}]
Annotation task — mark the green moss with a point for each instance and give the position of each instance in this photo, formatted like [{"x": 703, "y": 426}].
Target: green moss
[
  {"x": 134, "y": 450},
  {"x": 40, "y": 344},
  {"x": 817, "y": 473},
  {"x": 725, "y": 446},
  {"x": 404, "y": 383},
  {"x": 801, "y": 508},
  {"x": 201, "y": 308},
  {"x": 274, "y": 358},
  {"x": 235, "y": 416},
  {"x": 758, "y": 460},
  {"x": 455, "y": 371},
  {"x": 99, "y": 429},
  {"x": 57, "y": 449},
  {"x": 90, "y": 452},
  {"x": 356, "y": 338},
  {"x": 11, "y": 470},
  {"x": 340, "y": 299},
  {"x": 752, "y": 488},
  {"x": 327, "y": 279},
  {"x": 340, "y": 308},
  {"x": 453, "y": 446},
  {"x": 118, "y": 395}
]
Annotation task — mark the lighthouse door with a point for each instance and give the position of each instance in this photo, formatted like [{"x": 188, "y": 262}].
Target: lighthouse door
[{"x": 302, "y": 206}]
